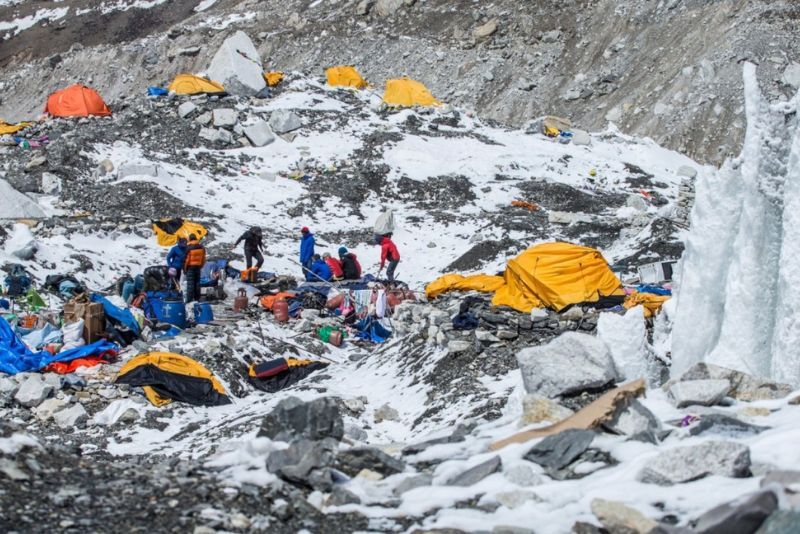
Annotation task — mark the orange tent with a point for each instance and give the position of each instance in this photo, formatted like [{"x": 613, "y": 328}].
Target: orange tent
[{"x": 76, "y": 101}]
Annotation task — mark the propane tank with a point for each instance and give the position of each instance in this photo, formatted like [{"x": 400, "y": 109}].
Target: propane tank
[
  {"x": 280, "y": 310},
  {"x": 241, "y": 301}
]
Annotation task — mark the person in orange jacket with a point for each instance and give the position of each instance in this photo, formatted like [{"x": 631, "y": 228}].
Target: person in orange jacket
[
  {"x": 389, "y": 253},
  {"x": 192, "y": 265}
]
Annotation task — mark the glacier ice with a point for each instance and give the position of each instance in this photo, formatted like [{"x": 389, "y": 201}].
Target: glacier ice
[{"x": 738, "y": 302}]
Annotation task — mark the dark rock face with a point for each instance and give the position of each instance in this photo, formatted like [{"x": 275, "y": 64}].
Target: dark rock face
[{"x": 314, "y": 420}]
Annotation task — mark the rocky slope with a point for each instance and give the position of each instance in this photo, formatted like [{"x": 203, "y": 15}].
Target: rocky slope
[{"x": 667, "y": 70}]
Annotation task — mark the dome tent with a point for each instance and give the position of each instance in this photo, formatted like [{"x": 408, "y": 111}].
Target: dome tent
[
  {"x": 76, "y": 101},
  {"x": 189, "y": 84},
  {"x": 405, "y": 92},
  {"x": 345, "y": 76}
]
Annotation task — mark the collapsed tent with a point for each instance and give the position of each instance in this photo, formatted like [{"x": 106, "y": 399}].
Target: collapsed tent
[
  {"x": 406, "y": 92},
  {"x": 552, "y": 275},
  {"x": 278, "y": 374},
  {"x": 168, "y": 231},
  {"x": 273, "y": 78},
  {"x": 16, "y": 357},
  {"x": 189, "y": 84},
  {"x": 16, "y": 205},
  {"x": 76, "y": 101},
  {"x": 167, "y": 377},
  {"x": 8, "y": 129},
  {"x": 345, "y": 76}
]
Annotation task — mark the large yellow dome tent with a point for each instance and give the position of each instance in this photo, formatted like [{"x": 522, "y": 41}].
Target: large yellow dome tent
[
  {"x": 345, "y": 76},
  {"x": 189, "y": 84},
  {"x": 552, "y": 275},
  {"x": 406, "y": 92}
]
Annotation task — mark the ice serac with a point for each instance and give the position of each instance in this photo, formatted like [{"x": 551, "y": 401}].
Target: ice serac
[
  {"x": 738, "y": 297},
  {"x": 237, "y": 66}
]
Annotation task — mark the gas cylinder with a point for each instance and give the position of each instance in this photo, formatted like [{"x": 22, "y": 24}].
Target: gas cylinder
[
  {"x": 335, "y": 338},
  {"x": 280, "y": 310},
  {"x": 240, "y": 302}
]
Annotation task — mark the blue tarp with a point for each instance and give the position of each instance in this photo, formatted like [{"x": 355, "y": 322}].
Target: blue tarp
[
  {"x": 121, "y": 315},
  {"x": 156, "y": 91},
  {"x": 15, "y": 357},
  {"x": 655, "y": 290},
  {"x": 371, "y": 329}
]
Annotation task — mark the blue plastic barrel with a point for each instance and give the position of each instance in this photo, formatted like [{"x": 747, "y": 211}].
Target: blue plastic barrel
[
  {"x": 170, "y": 311},
  {"x": 203, "y": 313}
]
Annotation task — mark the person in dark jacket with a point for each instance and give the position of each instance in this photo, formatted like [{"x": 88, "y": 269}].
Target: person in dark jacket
[
  {"x": 175, "y": 258},
  {"x": 350, "y": 265},
  {"x": 389, "y": 253},
  {"x": 319, "y": 270},
  {"x": 253, "y": 246},
  {"x": 192, "y": 266},
  {"x": 306, "y": 249}
]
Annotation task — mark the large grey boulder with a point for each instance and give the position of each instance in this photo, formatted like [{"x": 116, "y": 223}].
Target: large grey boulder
[
  {"x": 216, "y": 135},
  {"x": 618, "y": 517},
  {"x": 571, "y": 363},
  {"x": 259, "y": 134},
  {"x": 684, "y": 464},
  {"x": 781, "y": 522},
  {"x": 353, "y": 461},
  {"x": 305, "y": 462},
  {"x": 560, "y": 450},
  {"x": 741, "y": 516},
  {"x": 293, "y": 418},
  {"x": 71, "y": 417},
  {"x": 186, "y": 109},
  {"x": 477, "y": 473},
  {"x": 743, "y": 386},
  {"x": 33, "y": 391},
  {"x": 699, "y": 392},
  {"x": 224, "y": 117},
  {"x": 634, "y": 419},
  {"x": 581, "y": 138},
  {"x": 237, "y": 66},
  {"x": 283, "y": 121},
  {"x": 726, "y": 425},
  {"x": 413, "y": 482}
]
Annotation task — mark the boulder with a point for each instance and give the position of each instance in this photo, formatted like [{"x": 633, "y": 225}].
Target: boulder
[
  {"x": 204, "y": 119},
  {"x": 224, "y": 117},
  {"x": 33, "y": 391},
  {"x": 353, "y": 461},
  {"x": 581, "y": 138},
  {"x": 293, "y": 418},
  {"x": 186, "y": 109},
  {"x": 569, "y": 364},
  {"x": 781, "y": 522},
  {"x": 385, "y": 8},
  {"x": 634, "y": 419},
  {"x": 48, "y": 407},
  {"x": 216, "y": 135},
  {"x": 522, "y": 474},
  {"x": 791, "y": 75},
  {"x": 743, "y": 386},
  {"x": 618, "y": 517},
  {"x": 51, "y": 184},
  {"x": 717, "y": 423},
  {"x": 475, "y": 474},
  {"x": 305, "y": 462},
  {"x": 560, "y": 450},
  {"x": 742, "y": 516},
  {"x": 458, "y": 345},
  {"x": 413, "y": 482},
  {"x": 385, "y": 413},
  {"x": 340, "y": 496},
  {"x": 284, "y": 120},
  {"x": 684, "y": 464},
  {"x": 485, "y": 30},
  {"x": 699, "y": 392},
  {"x": 8, "y": 386},
  {"x": 363, "y": 7},
  {"x": 71, "y": 417},
  {"x": 538, "y": 409},
  {"x": 237, "y": 66},
  {"x": 259, "y": 134}
]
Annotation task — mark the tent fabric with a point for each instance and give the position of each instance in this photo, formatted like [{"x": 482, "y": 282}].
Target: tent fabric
[
  {"x": 345, "y": 76},
  {"x": 406, "y": 92},
  {"x": 273, "y": 78},
  {"x": 65, "y": 368},
  {"x": 167, "y": 377},
  {"x": 651, "y": 302},
  {"x": 16, "y": 205},
  {"x": 556, "y": 275},
  {"x": 168, "y": 231},
  {"x": 16, "y": 357},
  {"x": 189, "y": 84},
  {"x": 298, "y": 369},
  {"x": 120, "y": 315},
  {"x": 456, "y": 282},
  {"x": 8, "y": 129},
  {"x": 76, "y": 101}
]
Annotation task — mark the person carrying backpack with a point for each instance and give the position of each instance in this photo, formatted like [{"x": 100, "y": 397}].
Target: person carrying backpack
[
  {"x": 175, "y": 258},
  {"x": 334, "y": 265},
  {"x": 306, "y": 249},
  {"x": 193, "y": 265},
  {"x": 389, "y": 253},
  {"x": 350, "y": 266},
  {"x": 319, "y": 270},
  {"x": 253, "y": 246}
]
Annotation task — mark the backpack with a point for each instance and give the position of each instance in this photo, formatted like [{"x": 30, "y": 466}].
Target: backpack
[{"x": 18, "y": 281}]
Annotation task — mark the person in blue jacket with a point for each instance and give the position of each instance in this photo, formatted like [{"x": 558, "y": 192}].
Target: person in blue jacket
[
  {"x": 306, "y": 250},
  {"x": 175, "y": 258},
  {"x": 319, "y": 270}
]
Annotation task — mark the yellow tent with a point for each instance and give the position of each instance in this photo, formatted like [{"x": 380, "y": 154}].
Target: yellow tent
[
  {"x": 273, "y": 78},
  {"x": 552, "y": 275},
  {"x": 166, "y": 376},
  {"x": 652, "y": 303},
  {"x": 556, "y": 275},
  {"x": 189, "y": 84},
  {"x": 407, "y": 92},
  {"x": 345, "y": 76},
  {"x": 169, "y": 230},
  {"x": 7, "y": 129},
  {"x": 455, "y": 282}
]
